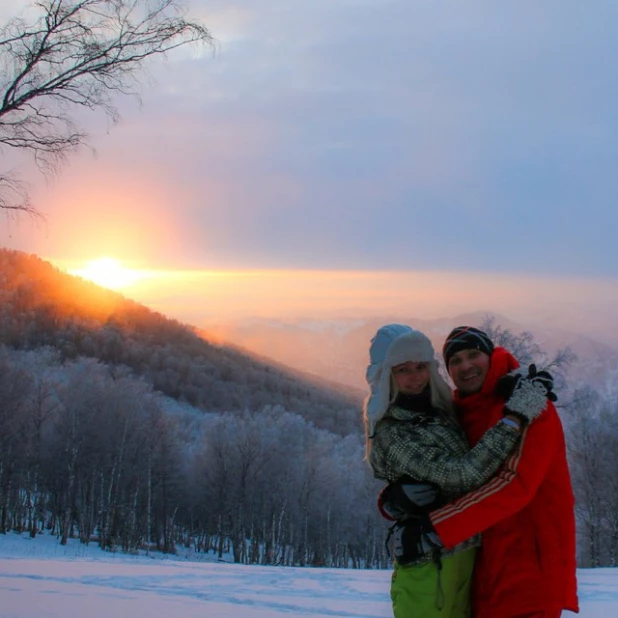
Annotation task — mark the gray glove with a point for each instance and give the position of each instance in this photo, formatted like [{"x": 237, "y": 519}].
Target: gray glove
[
  {"x": 528, "y": 400},
  {"x": 421, "y": 494},
  {"x": 402, "y": 499}
]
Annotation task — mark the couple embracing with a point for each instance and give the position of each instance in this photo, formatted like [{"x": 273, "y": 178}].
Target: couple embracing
[{"x": 478, "y": 484}]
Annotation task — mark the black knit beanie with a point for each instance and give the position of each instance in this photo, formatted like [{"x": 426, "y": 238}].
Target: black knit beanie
[{"x": 466, "y": 338}]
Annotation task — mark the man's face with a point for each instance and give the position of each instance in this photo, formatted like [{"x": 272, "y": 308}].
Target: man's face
[{"x": 468, "y": 369}]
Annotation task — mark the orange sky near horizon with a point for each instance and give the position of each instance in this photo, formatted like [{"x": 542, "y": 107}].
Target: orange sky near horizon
[{"x": 203, "y": 298}]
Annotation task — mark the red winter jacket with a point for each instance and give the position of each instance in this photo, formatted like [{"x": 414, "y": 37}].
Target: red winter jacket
[{"x": 526, "y": 513}]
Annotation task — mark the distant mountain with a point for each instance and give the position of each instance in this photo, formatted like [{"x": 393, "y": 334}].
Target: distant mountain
[
  {"x": 42, "y": 306},
  {"x": 597, "y": 324},
  {"x": 339, "y": 349}
]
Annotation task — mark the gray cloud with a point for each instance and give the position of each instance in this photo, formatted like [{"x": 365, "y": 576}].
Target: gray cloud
[{"x": 391, "y": 134}]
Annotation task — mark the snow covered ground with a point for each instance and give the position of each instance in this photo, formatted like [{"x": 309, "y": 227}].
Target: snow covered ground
[{"x": 41, "y": 579}]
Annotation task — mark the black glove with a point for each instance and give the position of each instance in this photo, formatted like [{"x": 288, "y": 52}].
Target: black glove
[
  {"x": 403, "y": 498},
  {"x": 412, "y": 539},
  {"x": 506, "y": 385},
  {"x": 545, "y": 379},
  {"x": 530, "y": 395}
]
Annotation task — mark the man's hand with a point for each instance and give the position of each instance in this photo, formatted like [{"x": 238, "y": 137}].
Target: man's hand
[
  {"x": 402, "y": 499},
  {"x": 508, "y": 384},
  {"x": 529, "y": 393},
  {"x": 545, "y": 379},
  {"x": 413, "y": 539}
]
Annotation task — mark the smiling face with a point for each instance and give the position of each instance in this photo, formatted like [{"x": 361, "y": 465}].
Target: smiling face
[
  {"x": 468, "y": 370},
  {"x": 411, "y": 378}
]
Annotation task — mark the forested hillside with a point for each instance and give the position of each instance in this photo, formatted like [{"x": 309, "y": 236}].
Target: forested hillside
[
  {"x": 121, "y": 427},
  {"x": 42, "y": 306}
]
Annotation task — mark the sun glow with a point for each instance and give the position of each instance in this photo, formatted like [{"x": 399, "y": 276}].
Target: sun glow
[{"x": 109, "y": 273}]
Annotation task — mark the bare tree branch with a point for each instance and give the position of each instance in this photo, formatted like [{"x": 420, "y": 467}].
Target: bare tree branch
[
  {"x": 14, "y": 198},
  {"x": 526, "y": 349},
  {"x": 78, "y": 53}
]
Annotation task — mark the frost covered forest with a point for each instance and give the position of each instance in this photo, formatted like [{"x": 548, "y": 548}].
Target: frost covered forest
[{"x": 126, "y": 429}]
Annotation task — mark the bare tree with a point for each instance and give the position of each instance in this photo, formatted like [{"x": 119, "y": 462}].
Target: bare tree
[
  {"x": 525, "y": 348},
  {"x": 522, "y": 345},
  {"x": 76, "y": 54}
]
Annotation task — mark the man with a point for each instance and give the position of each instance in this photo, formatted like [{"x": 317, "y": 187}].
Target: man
[{"x": 526, "y": 566}]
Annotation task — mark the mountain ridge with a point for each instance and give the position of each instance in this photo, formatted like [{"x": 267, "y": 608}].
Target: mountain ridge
[
  {"x": 40, "y": 306},
  {"x": 344, "y": 351}
]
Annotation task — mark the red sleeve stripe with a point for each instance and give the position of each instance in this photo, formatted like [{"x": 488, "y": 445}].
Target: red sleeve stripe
[{"x": 501, "y": 480}]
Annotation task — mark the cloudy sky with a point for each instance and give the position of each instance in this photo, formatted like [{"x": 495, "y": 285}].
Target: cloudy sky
[{"x": 469, "y": 145}]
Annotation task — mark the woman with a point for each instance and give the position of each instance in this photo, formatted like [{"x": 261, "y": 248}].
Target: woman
[{"x": 412, "y": 434}]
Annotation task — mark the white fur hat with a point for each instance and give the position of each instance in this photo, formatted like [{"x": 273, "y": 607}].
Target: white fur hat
[{"x": 392, "y": 345}]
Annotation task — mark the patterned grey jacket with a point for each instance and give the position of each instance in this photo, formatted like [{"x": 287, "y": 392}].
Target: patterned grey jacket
[{"x": 431, "y": 447}]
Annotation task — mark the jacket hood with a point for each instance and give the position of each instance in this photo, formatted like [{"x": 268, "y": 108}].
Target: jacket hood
[{"x": 392, "y": 345}]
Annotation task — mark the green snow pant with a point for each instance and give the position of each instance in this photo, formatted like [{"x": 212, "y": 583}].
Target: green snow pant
[{"x": 424, "y": 591}]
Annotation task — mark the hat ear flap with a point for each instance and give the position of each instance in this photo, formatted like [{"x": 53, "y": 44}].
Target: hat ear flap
[
  {"x": 378, "y": 401},
  {"x": 373, "y": 374}
]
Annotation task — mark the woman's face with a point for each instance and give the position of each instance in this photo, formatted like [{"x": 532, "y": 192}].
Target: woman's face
[{"x": 411, "y": 378}]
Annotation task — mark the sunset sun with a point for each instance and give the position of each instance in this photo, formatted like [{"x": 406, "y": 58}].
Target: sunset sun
[{"x": 108, "y": 272}]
